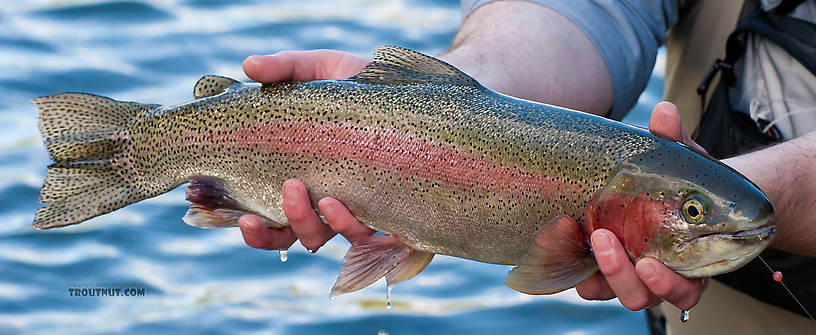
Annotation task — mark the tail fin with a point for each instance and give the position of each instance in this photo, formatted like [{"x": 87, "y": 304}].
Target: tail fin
[{"x": 83, "y": 135}]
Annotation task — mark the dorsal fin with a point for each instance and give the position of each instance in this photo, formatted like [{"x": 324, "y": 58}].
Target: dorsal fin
[
  {"x": 398, "y": 65},
  {"x": 210, "y": 85}
]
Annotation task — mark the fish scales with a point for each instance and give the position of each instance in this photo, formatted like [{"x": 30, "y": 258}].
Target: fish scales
[
  {"x": 257, "y": 137},
  {"x": 420, "y": 152}
]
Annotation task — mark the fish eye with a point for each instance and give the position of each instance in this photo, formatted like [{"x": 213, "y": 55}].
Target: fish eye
[{"x": 693, "y": 209}]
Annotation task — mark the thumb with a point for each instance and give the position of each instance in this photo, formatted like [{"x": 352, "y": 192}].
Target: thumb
[{"x": 665, "y": 122}]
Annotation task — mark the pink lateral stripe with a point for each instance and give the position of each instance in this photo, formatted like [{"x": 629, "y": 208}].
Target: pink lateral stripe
[{"x": 388, "y": 149}]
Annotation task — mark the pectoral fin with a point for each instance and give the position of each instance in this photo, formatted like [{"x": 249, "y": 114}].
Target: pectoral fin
[
  {"x": 377, "y": 256},
  {"x": 559, "y": 259},
  {"x": 213, "y": 205}
]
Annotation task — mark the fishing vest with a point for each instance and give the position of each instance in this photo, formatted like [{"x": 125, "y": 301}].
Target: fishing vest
[{"x": 765, "y": 93}]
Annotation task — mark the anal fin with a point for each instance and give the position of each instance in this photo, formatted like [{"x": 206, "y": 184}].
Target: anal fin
[
  {"x": 559, "y": 259},
  {"x": 213, "y": 205},
  {"x": 206, "y": 217},
  {"x": 374, "y": 257}
]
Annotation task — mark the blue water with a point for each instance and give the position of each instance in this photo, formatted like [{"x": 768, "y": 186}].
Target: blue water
[{"x": 208, "y": 281}]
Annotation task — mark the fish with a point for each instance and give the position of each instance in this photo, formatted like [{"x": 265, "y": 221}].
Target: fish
[{"x": 423, "y": 154}]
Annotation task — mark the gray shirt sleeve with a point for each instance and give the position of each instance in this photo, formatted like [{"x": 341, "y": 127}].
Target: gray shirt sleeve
[{"x": 626, "y": 33}]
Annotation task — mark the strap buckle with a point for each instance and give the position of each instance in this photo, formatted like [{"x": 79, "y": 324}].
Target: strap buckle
[{"x": 728, "y": 74}]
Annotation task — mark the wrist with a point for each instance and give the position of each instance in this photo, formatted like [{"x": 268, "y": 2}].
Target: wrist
[{"x": 787, "y": 174}]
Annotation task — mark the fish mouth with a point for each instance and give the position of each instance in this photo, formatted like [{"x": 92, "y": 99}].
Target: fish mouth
[
  {"x": 760, "y": 233},
  {"x": 735, "y": 249}
]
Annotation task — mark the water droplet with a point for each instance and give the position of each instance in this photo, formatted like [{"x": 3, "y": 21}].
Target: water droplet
[
  {"x": 684, "y": 316},
  {"x": 311, "y": 251},
  {"x": 388, "y": 298},
  {"x": 284, "y": 255},
  {"x": 332, "y": 298},
  {"x": 382, "y": 332},
  {"x": 777, "y": 276}
]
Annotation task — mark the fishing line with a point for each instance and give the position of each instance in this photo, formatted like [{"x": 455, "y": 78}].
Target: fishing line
[{"x": 789, "y": 291}]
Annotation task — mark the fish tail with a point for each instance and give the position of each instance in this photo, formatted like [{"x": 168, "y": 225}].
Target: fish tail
[{"x": 84, "y": 135}]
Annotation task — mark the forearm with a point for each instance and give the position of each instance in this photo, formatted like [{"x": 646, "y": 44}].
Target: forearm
[
  {"x": 787, "y": 174},
  {"x": 532, "y": 52}
]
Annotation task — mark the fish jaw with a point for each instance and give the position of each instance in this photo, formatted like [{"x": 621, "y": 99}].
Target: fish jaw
[
  {"x": 736, "y": 248},
  {"x": 743, "y": 246}
]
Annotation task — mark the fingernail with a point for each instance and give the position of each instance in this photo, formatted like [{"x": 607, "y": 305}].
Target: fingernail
[
  {"x": 250, "y": 62},
  {"x": 328, "y": 208},
  {"x": 647, "y": 271},
  {"x": 254, "y": 59},
  {"x": 288, "y": 193},
  {"x": 247, "y": 230},
  {"x": 602, "y": 243}
]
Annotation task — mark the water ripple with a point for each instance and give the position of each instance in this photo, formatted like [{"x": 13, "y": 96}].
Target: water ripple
[
  {"x": 27, "y": 254},
  {"x": 113, "y": 12}
]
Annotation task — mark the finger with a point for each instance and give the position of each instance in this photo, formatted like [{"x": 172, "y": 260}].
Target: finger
[
  {"x": 619, "y": 272},
  {"x": 297, "y": 207},
  {"x": 595, "y": 288},
  {"x": 282, "y": 66},
  {"x": 665, "y": 122},
  {"x": 345, "y": 64},
  {"x": 669, "y": 285},
  {"x": 258, "y": 235},
  {"x": 342, "y": 221},
  {"x": 303, "y": 65}
]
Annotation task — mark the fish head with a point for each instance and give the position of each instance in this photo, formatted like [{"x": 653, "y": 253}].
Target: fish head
[{"x": 696, "y": 215}]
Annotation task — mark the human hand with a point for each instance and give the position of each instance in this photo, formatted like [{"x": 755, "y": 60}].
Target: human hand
[
  {"x": 304, "y": 65},
  {"x": 304, "y": 222},
  {"x": 648, "y": 282}
]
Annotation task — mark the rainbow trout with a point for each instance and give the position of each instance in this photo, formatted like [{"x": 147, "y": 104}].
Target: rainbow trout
[{"x": 416, "y": 150}]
